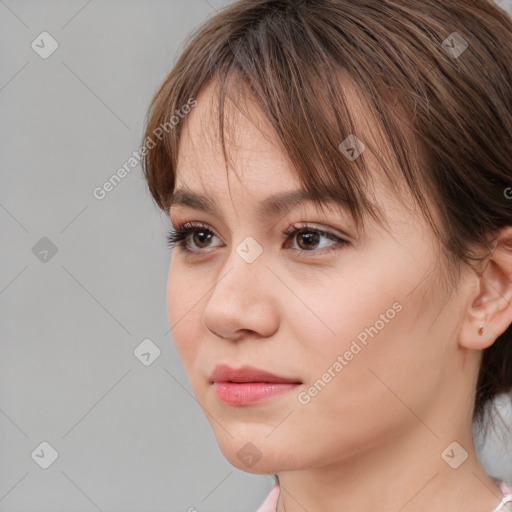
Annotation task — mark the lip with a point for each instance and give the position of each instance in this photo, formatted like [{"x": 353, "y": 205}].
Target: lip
[
  {"x": 247, "y": 385},
  {"x": 225, "y": 373}
]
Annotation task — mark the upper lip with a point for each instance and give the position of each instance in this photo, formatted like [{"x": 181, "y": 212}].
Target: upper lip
[{"x": 224, "y": 373}]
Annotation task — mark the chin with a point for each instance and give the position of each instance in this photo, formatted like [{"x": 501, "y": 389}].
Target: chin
[{"x": 256, "y": 454}]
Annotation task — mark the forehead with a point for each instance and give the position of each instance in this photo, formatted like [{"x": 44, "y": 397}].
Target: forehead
[
  {"x": 258, "y": 166},
  {"x": 254, "y": 156}
]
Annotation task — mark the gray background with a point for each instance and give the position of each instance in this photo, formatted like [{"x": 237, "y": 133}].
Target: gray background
[{"x": 129, "y": 437}]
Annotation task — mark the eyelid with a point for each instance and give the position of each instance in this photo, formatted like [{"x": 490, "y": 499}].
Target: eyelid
[
  {"x": 322, "y": 224},
  {"x": 328, "y": 233},
  {"x": 179, "y": 237},
  {"x": 318, "y": 226}
]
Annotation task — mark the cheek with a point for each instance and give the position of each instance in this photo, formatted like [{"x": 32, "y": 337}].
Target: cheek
[
  {"x": 183, "y": 314},
  {"x": 359, "y": 307},
  {"x": 381, "y": 300},
  {"x": 371, "y": 330},
  {"x": 378, "y": 333}
]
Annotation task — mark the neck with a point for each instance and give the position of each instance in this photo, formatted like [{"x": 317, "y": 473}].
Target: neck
[{"x": 406, "y": 474}]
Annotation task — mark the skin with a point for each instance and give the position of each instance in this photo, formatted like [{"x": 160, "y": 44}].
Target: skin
[{"x": 372, "y": 438}]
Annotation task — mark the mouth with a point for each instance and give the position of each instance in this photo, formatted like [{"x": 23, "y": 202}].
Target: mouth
[{"x": 248, "y": 385}]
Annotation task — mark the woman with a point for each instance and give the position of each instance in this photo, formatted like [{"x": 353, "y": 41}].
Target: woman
[{"x": 338, "y": 176}]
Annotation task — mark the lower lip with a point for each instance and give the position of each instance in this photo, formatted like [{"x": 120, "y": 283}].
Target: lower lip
[{"x": 245, "y": 393}]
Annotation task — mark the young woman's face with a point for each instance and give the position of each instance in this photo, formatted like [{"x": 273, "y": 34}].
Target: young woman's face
[{"x": 364, "y": 326}]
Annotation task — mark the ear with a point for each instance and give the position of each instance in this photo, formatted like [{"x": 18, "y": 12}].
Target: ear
[{"x": 491, "y": 307}]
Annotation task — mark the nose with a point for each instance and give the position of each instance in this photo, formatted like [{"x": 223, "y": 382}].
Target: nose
[{"x": 244, "y": 300}]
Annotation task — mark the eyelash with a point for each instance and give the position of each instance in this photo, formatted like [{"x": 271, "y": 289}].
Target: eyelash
[{"x": 178, "y": 238}]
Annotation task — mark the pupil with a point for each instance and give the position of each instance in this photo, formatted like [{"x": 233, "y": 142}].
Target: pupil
[
  {"x": 311, "y": 238},
  {"x": 197, "y": 236}
]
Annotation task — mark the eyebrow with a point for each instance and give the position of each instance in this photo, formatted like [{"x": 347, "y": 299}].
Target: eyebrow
[{"x": 271, "y": 206}]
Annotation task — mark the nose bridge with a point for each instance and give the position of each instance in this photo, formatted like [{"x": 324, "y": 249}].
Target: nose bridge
[
  {"x": 241, "y": 299},
  {"x": 244, "y": 268}
]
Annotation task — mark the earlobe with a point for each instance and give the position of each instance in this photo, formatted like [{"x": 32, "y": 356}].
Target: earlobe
[
  {"x": 477, "y": 334},
  {"x": 487, "y": 334},
  {"x": 490, "y": 312}
]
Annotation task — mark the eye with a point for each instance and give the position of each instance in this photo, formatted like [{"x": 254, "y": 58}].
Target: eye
[
  {"x": 308, "y": 238},
  {"x": 179, "y": 236}
]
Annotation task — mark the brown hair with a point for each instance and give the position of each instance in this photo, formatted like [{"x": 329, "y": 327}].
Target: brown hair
[{"x": 418, "y": 78}]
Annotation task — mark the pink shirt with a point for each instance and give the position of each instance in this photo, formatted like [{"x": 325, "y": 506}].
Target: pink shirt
[{"x": 270, "y": 503}]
